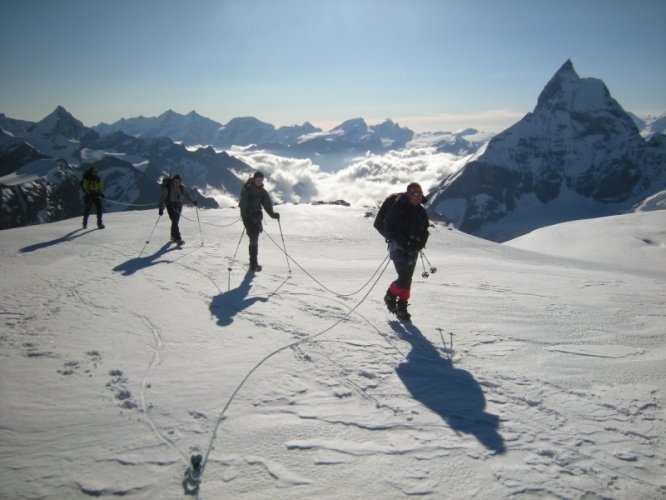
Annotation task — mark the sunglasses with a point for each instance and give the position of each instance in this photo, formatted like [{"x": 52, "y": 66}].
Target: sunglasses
[{"x": 416, "y": 193}]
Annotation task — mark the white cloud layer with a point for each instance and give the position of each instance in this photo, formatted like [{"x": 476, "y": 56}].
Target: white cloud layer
[{"x": 365, "y": 181}]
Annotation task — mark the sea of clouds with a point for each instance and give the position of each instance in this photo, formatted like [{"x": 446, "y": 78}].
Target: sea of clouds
[{"x": 360, "y": 181}]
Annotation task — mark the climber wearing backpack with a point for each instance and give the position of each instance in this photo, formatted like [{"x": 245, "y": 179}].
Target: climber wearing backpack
[
  {"x": 171, "y": 192},
  {"x": 252, "y": 198},
  {"x": 91, "y": 184},
  {"x": 406, "y": 232}
]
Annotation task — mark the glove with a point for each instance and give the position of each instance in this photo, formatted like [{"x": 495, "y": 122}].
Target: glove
[
  {"x": 276, "y": 216},
  {"x": 161, "y": 211},
  {"x": 195, "y": 203},
  {"x": 102, "y": 195}
]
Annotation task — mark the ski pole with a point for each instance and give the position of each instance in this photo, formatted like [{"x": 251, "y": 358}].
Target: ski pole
[
  {"x": 153, "y": 230},
  {"x": 234, "y": 258},
  {"x": 150, "y": 235},
  {"x": 433, "y": 269},
  {"x": 425, "y": 273},
  {"x": 284, "y": 246},
  {"x": 199, "y": 221}
]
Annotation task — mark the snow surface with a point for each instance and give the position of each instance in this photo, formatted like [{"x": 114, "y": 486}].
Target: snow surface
[{"x": 522, "y": 375}]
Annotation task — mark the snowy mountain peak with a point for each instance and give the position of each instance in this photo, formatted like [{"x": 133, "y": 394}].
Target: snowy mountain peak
[
  {"x": 577, "y": 155},
  {"x": 555, "y": 87},
  {"x": 567, "y": 91},
  {"x": 354, "y": 129},
  {"x": 60, "y": 122},
  {"x": 168, "y": 115}
]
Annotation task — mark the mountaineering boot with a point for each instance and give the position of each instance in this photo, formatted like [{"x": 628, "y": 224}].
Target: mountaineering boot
[
  {"x": 401, "y": 311},
  {"x": 85, "y": 223},
  {"x": 100, "y": 225},
  {"x": 390, "y": 301}
]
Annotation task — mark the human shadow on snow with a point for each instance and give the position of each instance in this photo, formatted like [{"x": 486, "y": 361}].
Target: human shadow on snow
[
  {"x": 450, "y": 392},
  {"x": 227, "y": 304},
  {"x": 72, "y": 235},
  {"x": 137, "y": 263}
]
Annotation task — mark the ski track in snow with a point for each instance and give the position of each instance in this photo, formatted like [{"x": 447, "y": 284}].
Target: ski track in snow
[{"x": 443, "y": 407}]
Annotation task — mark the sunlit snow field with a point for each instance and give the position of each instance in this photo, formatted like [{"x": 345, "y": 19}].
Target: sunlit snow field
[{"x": 533, "y": 368}]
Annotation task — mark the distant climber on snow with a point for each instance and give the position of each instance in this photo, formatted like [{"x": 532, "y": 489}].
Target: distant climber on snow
[
  {"x": 252, "y": 198},
  {"x": 91, "y": 184},
  {"x": 171, "y": 193}
]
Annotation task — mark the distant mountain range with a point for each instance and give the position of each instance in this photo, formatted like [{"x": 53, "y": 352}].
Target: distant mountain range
[
  {"x": 650, "y": 126},
  {"x": 577, "y": 155},
  {"x": 330, "y": 150},
  {"x": 41, "y": 164},
  {"x": 351, "y": 137}
]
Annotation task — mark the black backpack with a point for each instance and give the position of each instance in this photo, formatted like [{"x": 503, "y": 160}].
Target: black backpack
[
  {"x": 166, "y": 182},
  {"x": 383, "y": 212}
]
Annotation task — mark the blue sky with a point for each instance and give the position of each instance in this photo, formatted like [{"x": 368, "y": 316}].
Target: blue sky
[{"x": 427, "y": 64}]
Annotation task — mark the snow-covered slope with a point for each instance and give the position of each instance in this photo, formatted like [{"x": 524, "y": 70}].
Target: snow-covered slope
[
  {"x": 641, "y": 236},
  {"x": 522, "y": 374}
]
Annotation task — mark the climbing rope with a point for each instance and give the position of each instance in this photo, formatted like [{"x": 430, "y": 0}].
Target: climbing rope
[
  {"x": 130, "y": 204},
  {"x": 201, "y": 463},
  {"x": 319, "y": 282}
]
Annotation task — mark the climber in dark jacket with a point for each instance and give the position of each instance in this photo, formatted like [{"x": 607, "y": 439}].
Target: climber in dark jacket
[
  {"x": 406, "y": 231},
  {"x": 253, "y": 198},
  {"x": 172, "y": 193},
  {"x": 91, "y": 185}
]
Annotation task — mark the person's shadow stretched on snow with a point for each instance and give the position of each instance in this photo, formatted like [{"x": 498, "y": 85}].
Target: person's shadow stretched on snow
[
  {"x": 227, "y": 304},
  {"x": 72, "y": 235},
  {"x": 137, "y": 263},
  {"x": 450, "y": 392}
]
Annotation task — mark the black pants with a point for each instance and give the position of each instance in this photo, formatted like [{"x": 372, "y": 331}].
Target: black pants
[
  {"x": 174, "y": 214},
  {"x": 89, "y": 201},
  {"x": 404, "y": 262},
  {"x": 404, "y": 265},
  {"x": 253, "y": 231}
]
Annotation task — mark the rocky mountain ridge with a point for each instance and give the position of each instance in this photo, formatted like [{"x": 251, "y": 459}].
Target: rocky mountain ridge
[
  {"x": 351, "y": 137},
  {"x": 41, "y": 164}
]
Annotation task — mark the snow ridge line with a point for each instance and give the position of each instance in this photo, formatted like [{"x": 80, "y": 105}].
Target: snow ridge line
[{"x": 204, "y": 462}]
